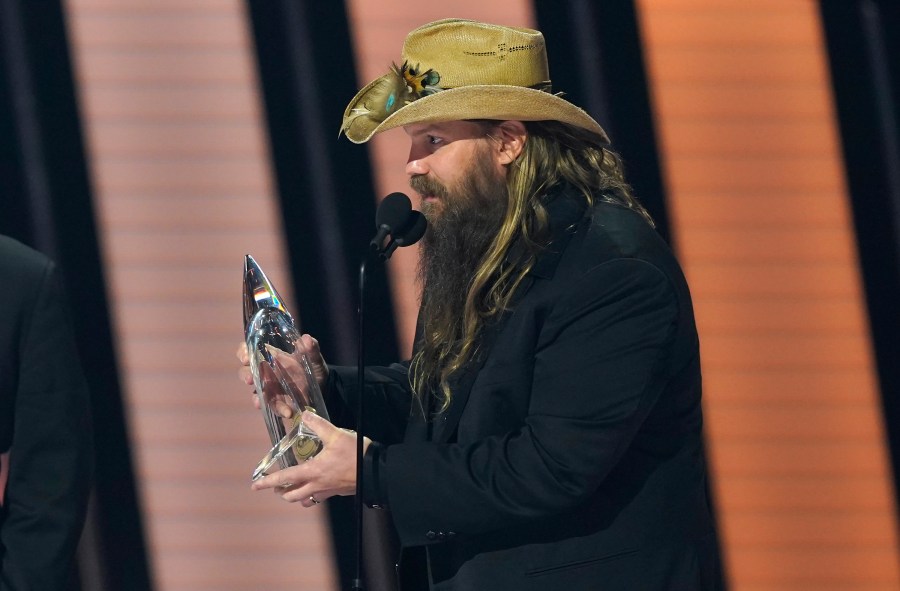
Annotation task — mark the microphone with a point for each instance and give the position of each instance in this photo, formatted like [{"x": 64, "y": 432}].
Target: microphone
[
  {"x": 391, "y": 215},
  {"x": 411, "y": 233}
]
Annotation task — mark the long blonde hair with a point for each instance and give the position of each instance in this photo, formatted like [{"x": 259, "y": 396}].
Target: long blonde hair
[{"x": 554, "y": 153}]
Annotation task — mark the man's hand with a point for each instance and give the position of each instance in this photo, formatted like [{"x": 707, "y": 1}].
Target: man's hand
[
  {"x": 306, "y": 344},
  {"x": 331, "y": 472}
]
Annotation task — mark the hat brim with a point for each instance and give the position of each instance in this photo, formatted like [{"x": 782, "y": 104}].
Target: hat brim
[{"x": 488, "y": 101}]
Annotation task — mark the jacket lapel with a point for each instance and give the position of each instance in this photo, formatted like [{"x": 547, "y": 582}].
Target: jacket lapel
[
  {"x": 461, "y": 382},
  {"x": 419, "y": 426}
]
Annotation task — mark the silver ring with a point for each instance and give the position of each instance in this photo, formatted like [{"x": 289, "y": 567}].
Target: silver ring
[{"x": 314, "y": 500}]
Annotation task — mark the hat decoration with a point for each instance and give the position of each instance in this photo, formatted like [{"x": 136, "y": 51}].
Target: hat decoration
[{"x": 400, "y": 87}]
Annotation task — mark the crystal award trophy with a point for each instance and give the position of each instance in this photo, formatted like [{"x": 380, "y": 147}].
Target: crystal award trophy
[{"x": 281, "y": 373}]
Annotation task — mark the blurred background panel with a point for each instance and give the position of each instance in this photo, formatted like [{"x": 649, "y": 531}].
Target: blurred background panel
[
  {"x": 762, "y": 212},
  {"x": 179, "y": 158}
]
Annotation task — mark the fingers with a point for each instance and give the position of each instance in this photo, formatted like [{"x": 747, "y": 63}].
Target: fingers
[
  {"x": 290, "y": 485},
  {"x": 281, "y": 481},
  {"x": 283, "y": 409},
  {"x": 242, "y": 354},
  {"x": 321, "y": 427},
  {"x": 314, "y": 355},
  {"x": 245, "y": 375},
  {"x": 312, "y": 500},
  {"x": 289, "y": 365},
  {"x": 311, "y": 345},
  {"x": 305, "y": 498}
]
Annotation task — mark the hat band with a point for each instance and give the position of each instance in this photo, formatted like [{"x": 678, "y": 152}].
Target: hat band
[{"x": 405, "y": 84}]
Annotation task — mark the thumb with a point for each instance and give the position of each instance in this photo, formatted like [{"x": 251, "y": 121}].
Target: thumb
[{"x": 318, "y": 425}]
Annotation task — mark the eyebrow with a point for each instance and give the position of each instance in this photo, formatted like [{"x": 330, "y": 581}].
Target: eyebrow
[{"x": 427, "y": 130}]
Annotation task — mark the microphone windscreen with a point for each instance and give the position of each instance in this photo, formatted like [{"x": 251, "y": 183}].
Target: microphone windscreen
[
  {"x": 393, "y": 211},
  {"x": 414, "y": 230}
]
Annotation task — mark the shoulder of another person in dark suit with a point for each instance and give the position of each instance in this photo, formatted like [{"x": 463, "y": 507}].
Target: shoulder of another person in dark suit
[
  {"x": 25, "y": 271},
  {"x": 21, "y": 262}
]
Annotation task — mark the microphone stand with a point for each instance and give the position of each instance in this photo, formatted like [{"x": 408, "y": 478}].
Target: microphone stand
[
  {"x": 360, "y": 386},
  {"x": 412, "y": 228},
  {"x": 376, "y": 254}
]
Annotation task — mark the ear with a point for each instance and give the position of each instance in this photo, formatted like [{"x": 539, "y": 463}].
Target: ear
[{"x": 511, "y": 136}]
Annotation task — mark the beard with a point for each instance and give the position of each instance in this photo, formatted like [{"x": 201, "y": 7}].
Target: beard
[{"x": 463, "y": 224}]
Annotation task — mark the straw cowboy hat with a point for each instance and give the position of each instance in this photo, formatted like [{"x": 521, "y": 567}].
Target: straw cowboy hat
[{"x": 456, "y": 69}]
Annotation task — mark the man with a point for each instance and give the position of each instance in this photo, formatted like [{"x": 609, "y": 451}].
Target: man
[
  {"x": 547, "y": 432},
  {"x": 44, "y": 425}
]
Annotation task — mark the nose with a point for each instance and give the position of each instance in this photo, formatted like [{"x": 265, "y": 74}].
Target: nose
[{"x": 416, "y": 163}]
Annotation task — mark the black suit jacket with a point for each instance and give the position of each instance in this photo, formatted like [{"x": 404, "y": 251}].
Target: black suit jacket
[
  {"x": 44, "y": 425},
  {"x": 571, "y": 455}
]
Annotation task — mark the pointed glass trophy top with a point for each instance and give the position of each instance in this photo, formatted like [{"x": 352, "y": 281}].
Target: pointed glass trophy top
[{"x": 259, "y": 293}]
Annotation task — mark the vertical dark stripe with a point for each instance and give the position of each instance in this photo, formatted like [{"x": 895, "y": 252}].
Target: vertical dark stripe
[
  {"x": 324, "y": 184},
  {"x": 15, "y": 215},
  {"x": 316, "y": 190},
  {"x": 861, "y": 35},
  {"x": 26, "y": 128},
  {"x": 46, "y": 186},
  {"x": 596, "y": 58},
  {"x": 305, "y": 61}
]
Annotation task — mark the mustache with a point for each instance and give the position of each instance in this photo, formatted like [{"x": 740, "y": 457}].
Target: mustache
[{"x": 423, "y": 185}]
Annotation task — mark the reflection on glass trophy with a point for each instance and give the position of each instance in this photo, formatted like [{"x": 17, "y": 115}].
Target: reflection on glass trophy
[{"x": 281, "y": 373}]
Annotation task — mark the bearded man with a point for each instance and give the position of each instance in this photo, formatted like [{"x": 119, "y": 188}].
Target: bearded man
[{"x": 547, "y": 432}]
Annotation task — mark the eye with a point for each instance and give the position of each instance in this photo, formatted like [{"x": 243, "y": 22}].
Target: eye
[{"x": 434, "y": 140}]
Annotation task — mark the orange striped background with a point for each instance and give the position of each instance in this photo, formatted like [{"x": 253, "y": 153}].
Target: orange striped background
[
  {"x": 761, "y": 215},
  {"x": 183, "y": 186}
]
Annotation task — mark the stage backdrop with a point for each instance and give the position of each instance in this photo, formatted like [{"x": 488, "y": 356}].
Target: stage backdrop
[{"x": 179, "y": 158}]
